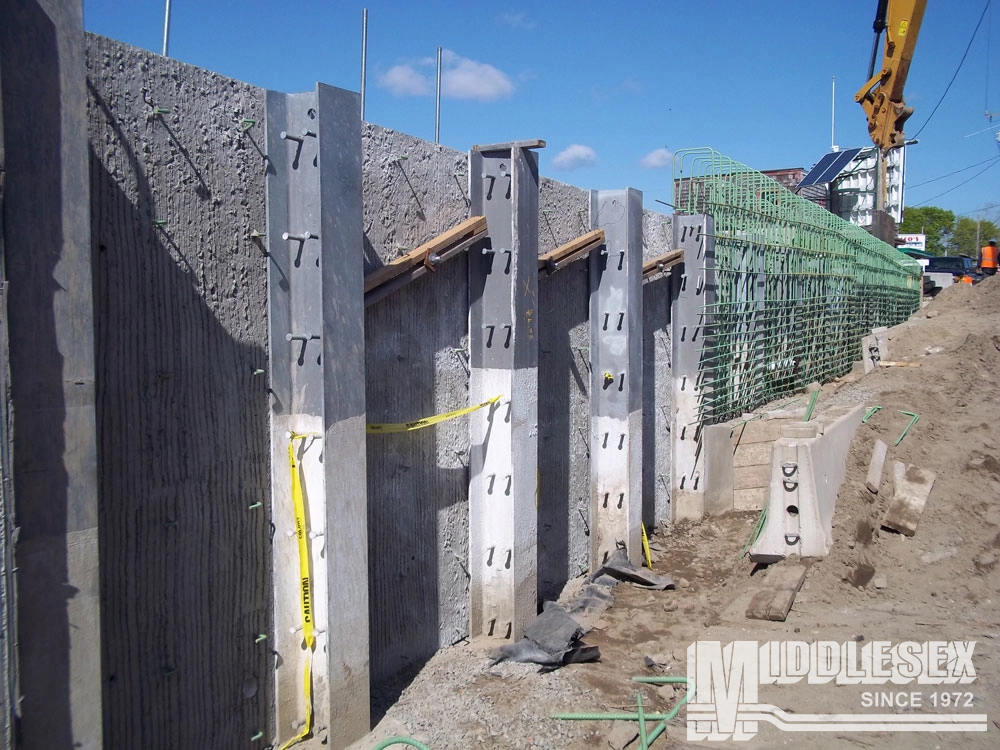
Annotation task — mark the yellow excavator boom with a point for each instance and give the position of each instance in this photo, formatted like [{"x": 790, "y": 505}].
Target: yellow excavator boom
[{"x": 882, "y": 96}]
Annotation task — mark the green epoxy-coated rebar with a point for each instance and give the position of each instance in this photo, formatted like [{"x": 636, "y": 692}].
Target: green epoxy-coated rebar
[
  {"x": 872, "y": 410},
  {"x": 913, "y": 420},
  {"x": 812, "y": 407},
  {"x": 609, "y": 717},
  {"x": 755, "y": 532},
  {"x": 795, "y": 287},
  {"x": 639, "y": 715},
  {"x": 662, "y": 726},
  {"x": 643, "y": 736}
]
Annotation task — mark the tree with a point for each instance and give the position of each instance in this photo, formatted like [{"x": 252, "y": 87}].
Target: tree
[
  {"x": 964, "y": 239},
  {"x": 937, "y": 223}
]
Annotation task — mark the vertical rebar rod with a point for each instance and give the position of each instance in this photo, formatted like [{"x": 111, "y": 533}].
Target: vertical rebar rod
[
  {"x": 166, "y": 29},
  {"x": 364, "y": 59},
  {"x": 437, "y": 104},
  {"x": 796, "y": 287}
]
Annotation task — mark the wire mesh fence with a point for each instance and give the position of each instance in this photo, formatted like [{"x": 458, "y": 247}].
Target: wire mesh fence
[{"x": 791, "y": 289}]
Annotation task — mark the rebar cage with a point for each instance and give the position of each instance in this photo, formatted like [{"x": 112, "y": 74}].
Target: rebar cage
[{"x": 791, "y": 289}]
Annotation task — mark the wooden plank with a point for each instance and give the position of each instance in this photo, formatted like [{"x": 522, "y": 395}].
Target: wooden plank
[
  {"x": 471, "y": 226},
  {"x": 662, "y": 263},
  {"x": 911, "y": 488},
  {"x": 875, "y": 466},
  {"x": 573, "y": 250},
  {"x": 774, "y": 600},
  {"x": 887, "y": 363}
]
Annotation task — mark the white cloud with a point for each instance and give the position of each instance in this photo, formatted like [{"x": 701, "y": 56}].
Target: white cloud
[
  {"x": 405, "y": 80},
  {"x": 575, "y": 156},
  {"x": 657, "y": 159},
  {"x": 461, "y": 78},
  {"x": 518, "y": 20},
  {"x": 631, "y": 86}
]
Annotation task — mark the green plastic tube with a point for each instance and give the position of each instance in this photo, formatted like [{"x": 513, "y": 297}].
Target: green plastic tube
[{"x": 401, "y": 741}]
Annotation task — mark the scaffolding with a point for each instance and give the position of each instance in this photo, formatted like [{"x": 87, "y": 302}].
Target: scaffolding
[{"x": 791, "y": 289}]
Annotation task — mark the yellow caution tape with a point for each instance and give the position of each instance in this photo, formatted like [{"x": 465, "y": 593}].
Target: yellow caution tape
[
  {"x": 305, "y": 586},
  {"x": 645, "y": 547},
  {"x": 375, "y": 428}
]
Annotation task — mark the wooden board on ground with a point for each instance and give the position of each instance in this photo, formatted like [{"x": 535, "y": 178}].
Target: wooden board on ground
[
  {"x": 774, "y": 600},
  {"x": 875, "y": 466},
  {"x": 911, "y": 488}
]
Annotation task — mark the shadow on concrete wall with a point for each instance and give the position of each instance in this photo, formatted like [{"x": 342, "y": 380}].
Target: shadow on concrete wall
[
  {"x": 34, "y": 243},
  {"x": 656, "y": 382},
  {"x": 563, "y": 378},
  {"x": 417, "y": 481},
  {"x": 184, "y": 454}
]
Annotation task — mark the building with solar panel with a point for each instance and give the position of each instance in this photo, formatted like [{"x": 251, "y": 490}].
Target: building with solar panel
[{"x": 846, "y": 183}]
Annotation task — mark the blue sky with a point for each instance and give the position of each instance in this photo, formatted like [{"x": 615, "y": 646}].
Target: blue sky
[{"x": 614, "y": 88}]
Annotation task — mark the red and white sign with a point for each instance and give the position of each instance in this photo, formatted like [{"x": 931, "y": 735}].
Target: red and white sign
[{"x": 912, "y": 242}]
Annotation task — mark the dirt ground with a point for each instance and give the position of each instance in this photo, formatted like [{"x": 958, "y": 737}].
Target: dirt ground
[{"x": 941, "y": 584}]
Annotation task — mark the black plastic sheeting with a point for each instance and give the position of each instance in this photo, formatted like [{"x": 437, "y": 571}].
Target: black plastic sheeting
[{"x": 554, "y": 637}]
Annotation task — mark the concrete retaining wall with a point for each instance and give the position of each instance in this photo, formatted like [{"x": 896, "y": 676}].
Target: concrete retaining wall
[
  {"x": 180, "y": 291},
  {"x": 416, "y": 344},
  {"x": 180, "y": 273}
]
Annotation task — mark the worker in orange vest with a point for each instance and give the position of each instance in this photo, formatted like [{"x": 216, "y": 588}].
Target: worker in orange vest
[{"x": 988, "y": 259}]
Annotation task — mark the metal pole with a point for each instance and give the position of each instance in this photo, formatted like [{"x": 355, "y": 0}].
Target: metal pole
[
  {"x": 833, "y": 115},
  {"x": 364, "y": 58},
  {"x": 437, "y": 105},
  {"x": 166, "y": 29}
]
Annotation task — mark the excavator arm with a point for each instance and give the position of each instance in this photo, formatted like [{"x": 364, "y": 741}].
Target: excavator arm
[{"x": 882, "y": 96}]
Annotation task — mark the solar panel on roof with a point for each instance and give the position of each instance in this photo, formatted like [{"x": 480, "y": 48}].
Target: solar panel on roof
[
  {"x": 820, "y": 168},
  {"x": 838, "y": 166},
  {"x": 829, "y": 167}
]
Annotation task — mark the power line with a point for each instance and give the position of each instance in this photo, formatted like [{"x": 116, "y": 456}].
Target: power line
[
  {"x": 957, "y": 171},
  {"x": 924, "y": 203},
  {"x": 959, "y": 68}
]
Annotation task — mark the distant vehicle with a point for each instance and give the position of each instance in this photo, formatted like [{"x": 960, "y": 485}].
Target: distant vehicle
[{"x": 960, "y": 267}]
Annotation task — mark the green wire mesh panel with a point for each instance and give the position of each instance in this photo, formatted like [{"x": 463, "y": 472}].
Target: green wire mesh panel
[{"x": 791, "y": 288}]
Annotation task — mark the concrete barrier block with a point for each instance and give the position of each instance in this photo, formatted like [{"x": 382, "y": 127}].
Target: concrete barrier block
[
  {"x": 806, "y": 475},
  {"x": 802, "y": 430},
  {"x": 875, "y": 348},
  {"x": 911, "y": 488}
]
